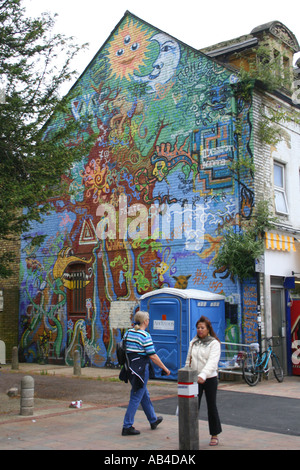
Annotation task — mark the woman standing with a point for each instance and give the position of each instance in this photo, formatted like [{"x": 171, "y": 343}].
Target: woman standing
[
  {"x": 140, "y": 349},
  {"x": 203, "y": 356}
]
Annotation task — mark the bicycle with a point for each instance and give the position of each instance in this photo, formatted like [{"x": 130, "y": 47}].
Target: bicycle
[{"x": 255, "y": 364}]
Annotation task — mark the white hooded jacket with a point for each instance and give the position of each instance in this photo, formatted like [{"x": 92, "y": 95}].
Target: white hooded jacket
[{"x": 203, "y": 356}]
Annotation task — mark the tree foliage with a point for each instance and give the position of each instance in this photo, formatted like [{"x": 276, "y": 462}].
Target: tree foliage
[
  {"x": 237, "y": 253},
  {"x": 240, "y": 248},
  {"x": 34, "y": 63}
]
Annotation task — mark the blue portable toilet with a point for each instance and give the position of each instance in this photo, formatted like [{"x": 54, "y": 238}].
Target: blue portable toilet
[{"x": 173, "y": 316}]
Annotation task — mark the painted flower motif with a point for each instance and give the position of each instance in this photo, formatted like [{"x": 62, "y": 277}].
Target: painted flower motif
[{"x": 94, "y": 179}]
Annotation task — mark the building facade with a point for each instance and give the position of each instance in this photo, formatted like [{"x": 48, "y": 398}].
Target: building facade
[
  {"x": 276, "y": 179},
  {"x": 9, "y": 304},
  {"x": 281, "y": 260},
  {"x": 148, "y": 204}
]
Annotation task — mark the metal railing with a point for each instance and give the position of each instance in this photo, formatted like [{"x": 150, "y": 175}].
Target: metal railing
[{"x": 232, "y": 356}]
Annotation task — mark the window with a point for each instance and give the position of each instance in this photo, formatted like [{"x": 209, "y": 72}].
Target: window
[
  {"x": 76, "y": 292},
  {"x": 279, "y": 189},
  {"x": 286, "y": 67}
]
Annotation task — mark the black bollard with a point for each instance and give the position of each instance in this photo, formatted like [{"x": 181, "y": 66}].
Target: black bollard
[{"x": 15, "y": 359}]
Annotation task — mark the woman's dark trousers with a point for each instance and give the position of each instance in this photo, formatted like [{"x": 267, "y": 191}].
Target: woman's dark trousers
[{"x": 209, "y": 387}]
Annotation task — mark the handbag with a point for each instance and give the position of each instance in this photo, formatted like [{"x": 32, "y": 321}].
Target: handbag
[{"x": 121, "y": 351}]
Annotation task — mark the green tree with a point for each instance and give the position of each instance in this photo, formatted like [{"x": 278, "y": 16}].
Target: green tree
[
  {"x": 240, "y": 248},
  {"x": 34, "y": 63}
]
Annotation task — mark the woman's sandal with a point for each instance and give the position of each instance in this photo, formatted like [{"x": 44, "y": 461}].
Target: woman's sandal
[{"x": 214, "y": 441}]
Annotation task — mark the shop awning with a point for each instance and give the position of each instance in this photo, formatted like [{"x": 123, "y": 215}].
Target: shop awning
[{"x": 274, "y": 241}]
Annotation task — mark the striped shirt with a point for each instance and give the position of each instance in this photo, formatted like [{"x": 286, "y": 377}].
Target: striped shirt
[{"x": 140, "y": 342}]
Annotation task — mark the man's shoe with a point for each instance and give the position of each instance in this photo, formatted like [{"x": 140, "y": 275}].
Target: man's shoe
[
  {"x": 130, "y": 431},
  {"x": 157, "y": 422}
]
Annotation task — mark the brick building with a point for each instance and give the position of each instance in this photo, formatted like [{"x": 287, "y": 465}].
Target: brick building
[
  {"x": 148, "y": 204},
  {"x": 276, "y": 179},
  {"x": 9, "y": 304}
]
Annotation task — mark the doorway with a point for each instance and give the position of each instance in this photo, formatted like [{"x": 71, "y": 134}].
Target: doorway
[
  {"x": 165, "y": 329},
  {"x": 279, "y": 323}
]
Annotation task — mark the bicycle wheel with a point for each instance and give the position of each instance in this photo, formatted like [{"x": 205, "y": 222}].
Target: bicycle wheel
[
  {"x": 250, "y": 372},
  {"x": 278, "y": 372}
]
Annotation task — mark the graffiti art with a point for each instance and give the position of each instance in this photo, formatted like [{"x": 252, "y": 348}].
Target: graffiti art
[{"x": 145, "y": 205}]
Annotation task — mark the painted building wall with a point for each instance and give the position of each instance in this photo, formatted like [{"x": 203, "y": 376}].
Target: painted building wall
[
  {"x": 282, "y": 254},
  {"x": 147, "y": 205}
]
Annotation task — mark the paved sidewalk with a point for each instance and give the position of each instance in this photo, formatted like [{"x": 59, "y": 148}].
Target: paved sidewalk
[
  {"x": 94, "y": 428},
  {"x": 55, "y": 426}
]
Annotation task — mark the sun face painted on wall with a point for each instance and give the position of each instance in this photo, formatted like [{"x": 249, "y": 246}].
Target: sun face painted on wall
[{"x": 128, "y": 50}]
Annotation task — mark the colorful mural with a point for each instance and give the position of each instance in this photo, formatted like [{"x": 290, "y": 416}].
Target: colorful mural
[{"x": 146, "y": 206}]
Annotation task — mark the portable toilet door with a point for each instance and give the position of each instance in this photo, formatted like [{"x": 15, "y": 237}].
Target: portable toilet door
[
  {"x": 167, "y": 315},
  {"x": 173, "y": 315}
]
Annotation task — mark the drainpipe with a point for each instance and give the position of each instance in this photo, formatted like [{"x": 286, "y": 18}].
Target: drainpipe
[{"x": 234, "y": 107}]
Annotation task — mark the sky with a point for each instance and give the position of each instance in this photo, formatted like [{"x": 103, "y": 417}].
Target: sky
[{"x": 196, "y": 23}]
